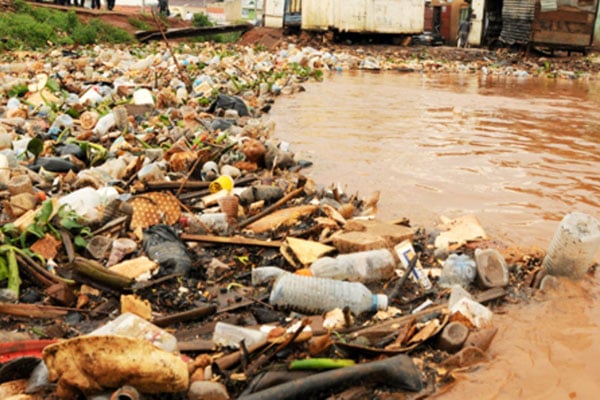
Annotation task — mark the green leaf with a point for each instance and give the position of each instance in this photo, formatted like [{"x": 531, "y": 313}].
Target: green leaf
[
  {"x": 53, "y": 85},
  {"x": 164, "y": 119},
  {"x": 79, "y": 241},
  {"x": 3, "y": 269},
  {"x": 73, "y": 113},
  {"x": 43, "y": 216},
  {"x": 36, "y": 230},
  {"x": 69, "y": 223},
  {"x": 9, "y": 229},
  {"x": 14, "y": 280},
  {"x": 18, "y": 90},
  {"x": 35, "y": 146}
]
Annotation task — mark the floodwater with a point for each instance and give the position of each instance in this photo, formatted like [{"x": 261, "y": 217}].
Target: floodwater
[{"x": 519, "y": 153}]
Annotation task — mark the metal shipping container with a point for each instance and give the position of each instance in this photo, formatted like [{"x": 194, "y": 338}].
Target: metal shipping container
[
  {"x": 364, "y": 16},
  {"x": 567, "y": 24},
  {"x": 274, "y": 13}
]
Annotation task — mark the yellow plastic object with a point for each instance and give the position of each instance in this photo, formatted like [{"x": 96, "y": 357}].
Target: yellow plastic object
[
  {"x": 223, "y": 182},
  {"x": 304, "y": 272}
]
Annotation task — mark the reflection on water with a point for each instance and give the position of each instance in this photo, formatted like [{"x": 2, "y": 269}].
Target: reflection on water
[{"x": 519, "y": 154}]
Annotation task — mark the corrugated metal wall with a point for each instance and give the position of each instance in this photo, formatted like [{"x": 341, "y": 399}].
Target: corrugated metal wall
[{"x": 517, "y": 16}]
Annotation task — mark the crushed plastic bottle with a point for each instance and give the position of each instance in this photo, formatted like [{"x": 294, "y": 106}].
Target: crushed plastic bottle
[
  {"x": 309, "y": 294},
  {"x": 63, "y": 121},
  {"x": 364, "y": 266},
  {"x": 131, "y": 325},
  {"x": 458, "y": 269},
  {"x": 215, "y": 223},
  {"x": 229, "y": 335},
  {"x": 104, "y": 124}
]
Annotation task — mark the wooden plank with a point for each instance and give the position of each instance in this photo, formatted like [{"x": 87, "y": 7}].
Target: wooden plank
[{"x": 146, "y": 36}]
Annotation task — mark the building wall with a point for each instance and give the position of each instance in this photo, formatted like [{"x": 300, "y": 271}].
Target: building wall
[{"x": 454, "y": 7}]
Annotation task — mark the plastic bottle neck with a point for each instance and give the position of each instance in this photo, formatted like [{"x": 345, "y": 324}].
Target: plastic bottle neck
[{"x": 379, "y": 302}]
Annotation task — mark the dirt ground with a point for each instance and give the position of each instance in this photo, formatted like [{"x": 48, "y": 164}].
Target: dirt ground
[{"x": 121, "y": 16}]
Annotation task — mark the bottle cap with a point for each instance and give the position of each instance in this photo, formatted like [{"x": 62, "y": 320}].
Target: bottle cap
[
  {"x": 184, "y": 221},
  {"x": 380, "y": 302},
  {"x": 304, "y": 272}
]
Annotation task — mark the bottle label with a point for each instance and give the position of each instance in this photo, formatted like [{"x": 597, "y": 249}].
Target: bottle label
[{"x": 406, "y": 252}]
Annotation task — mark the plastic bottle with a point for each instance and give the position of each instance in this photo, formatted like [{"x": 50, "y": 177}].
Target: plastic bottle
[
  {"x": 151, "y": 172},
  {"x": 309, "y": 294},
  {"x": 574, "y": 245},
  {"x": 229, "y": 335},
  {"x": 128, "y": 324},
  {"x": 458, "y": 269},
  {"x": 91, "y": 96},
  {"x": 104, "y": 124},
  {"x": 61, "y": 122},
  {"x": 205, "y": 223},
  {"x": 364, "y": 266},
  {"x": 84, "y": 201}
]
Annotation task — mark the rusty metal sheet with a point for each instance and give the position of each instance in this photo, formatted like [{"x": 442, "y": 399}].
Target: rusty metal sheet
[{"x": 568, "y": 26}]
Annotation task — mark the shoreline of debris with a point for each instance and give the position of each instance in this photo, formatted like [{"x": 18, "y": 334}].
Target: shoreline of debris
[{"x": 143, "y": 184}]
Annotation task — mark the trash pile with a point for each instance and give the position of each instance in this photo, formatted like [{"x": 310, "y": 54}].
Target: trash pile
[{"x": 157, "y": 242}]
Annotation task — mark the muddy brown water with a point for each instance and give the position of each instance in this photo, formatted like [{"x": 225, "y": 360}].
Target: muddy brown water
[{"x": 519, "y": 153}]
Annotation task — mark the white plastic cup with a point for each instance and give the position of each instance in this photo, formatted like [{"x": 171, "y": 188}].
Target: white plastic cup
[{"x": 574, "y": 246}]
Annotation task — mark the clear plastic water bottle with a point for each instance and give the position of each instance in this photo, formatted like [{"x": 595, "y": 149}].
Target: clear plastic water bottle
[
  {"x": 104, "y": 124},
  {"x": 61, "y": 122},
  {"x": 314, "y": 295},
  {"x": 201, "y": 224},
  {"x": 364, "y": 266},
  {"x": 458, "y": 269}
]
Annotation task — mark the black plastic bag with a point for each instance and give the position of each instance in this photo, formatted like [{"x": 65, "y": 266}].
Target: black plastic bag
[{"x": 163, "y": 246}]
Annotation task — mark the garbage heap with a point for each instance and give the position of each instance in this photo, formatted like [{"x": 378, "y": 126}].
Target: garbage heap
[{"x": 158, "y": 242}]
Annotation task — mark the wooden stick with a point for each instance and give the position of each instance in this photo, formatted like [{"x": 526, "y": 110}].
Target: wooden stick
[
  {"x": 395, "y": 323},
  {"x": 272, "y": 208},
  {"x": 237, "y": 240},
  {"x": 39, "y": 274},
  {"x": 190, "y": 172},
  {"x": 183, "y": 77},
  {"x": 196, "y": 313},
  {"x": 33, "y": 310}
]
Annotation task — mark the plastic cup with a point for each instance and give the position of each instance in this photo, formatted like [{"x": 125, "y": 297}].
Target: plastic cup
[{"x": 574, "y": 245}]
